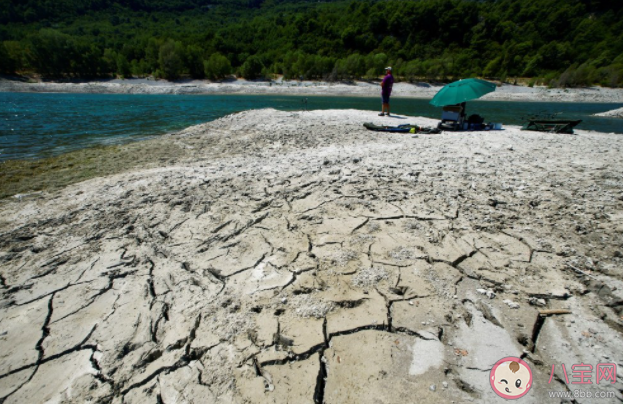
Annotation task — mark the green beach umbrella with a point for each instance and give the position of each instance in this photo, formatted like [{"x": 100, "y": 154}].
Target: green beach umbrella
[{"x": 462, "y": 90}]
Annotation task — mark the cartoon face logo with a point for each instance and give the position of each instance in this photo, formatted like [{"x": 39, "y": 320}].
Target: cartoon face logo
[{"x": 511, "y": 378}]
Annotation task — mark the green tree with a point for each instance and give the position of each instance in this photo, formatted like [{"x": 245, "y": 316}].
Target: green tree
[
  {"x": 86, "y": 61},
  {"x": 492, "y": 68},
  {"x": 437, "y": 39},
  {"x": 152, "y": 52},
  {"x": 7, "y": 64},
  {"x": 532, "y": 68},
  {"x": 16, "y": 52},
  {"x": 352, "y": 67},
  {"x": 139, "y": 68},
  {"x": 50, "y": 52},
  {"x": 123, "y": 66},
  {"x": 252, "y": 68},
  {"x": 194, "y": 61},
  {"x": 170, "y": 59},
  {"x": 109, "y": 61},
  {"x": 217, "y": 67}
]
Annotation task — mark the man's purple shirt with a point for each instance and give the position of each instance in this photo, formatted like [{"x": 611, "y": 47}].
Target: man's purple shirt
[{"x": 388, "y": 82}]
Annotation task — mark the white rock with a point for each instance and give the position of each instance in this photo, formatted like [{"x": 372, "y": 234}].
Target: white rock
[
  {"x": 487, "y": 292},
  {"x": 511, "y": 304}
]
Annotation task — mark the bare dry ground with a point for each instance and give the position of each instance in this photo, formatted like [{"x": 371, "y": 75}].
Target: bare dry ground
[{"x": 292, "y": 257}]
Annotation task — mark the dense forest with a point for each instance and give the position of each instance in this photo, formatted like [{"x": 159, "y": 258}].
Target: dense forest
[{"x": 552, "y": 42}]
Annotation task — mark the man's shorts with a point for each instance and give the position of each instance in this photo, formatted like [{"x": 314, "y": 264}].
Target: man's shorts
[{"x": 385, "y": 98}]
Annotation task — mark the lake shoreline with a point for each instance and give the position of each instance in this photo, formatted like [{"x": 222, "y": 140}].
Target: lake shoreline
[
  {"x": 306, "y": 88},
  {"x": 21, "y": 175}
]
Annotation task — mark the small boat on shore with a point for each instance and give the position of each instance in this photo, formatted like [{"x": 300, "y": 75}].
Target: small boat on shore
[
  {"x": 406, "y": 128},
  {"x": 552, "y": 125},
  {"x": 385, "y": 128}
]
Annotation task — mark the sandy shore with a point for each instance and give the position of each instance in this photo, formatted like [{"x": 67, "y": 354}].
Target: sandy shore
[
  {"x": 310, "y": 88},
  {"x": 295, "y": 257}
]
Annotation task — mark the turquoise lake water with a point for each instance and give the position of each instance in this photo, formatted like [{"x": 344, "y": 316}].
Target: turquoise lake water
[{"x": 43, "y": 125}]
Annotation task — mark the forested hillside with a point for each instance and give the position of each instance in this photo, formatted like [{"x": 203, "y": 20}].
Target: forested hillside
[{"x": 556, "y": 42}]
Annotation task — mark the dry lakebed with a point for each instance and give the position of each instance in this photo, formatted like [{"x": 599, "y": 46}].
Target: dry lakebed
[{"x": 296, "y": 257}]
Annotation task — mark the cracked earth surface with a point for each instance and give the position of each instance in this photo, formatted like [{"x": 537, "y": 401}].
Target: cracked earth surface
[{"x": 296, "y": 257}]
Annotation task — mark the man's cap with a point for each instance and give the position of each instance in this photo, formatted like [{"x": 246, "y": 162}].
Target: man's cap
[{"x": 388, "y": 68}]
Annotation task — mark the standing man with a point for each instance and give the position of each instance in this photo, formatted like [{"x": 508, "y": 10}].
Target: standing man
[{"x": 386, "y": 90}]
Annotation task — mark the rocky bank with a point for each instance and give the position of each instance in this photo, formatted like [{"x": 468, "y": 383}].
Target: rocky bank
[
  {"x": 295, "y": 257},
  {"x": 615, "y": 113},
  {"x": 504, "y": 92}
]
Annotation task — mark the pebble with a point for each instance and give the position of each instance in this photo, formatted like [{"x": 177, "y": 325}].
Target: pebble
[
  {"x": 432, "y": 387},
  {"x": 489, "y": 293},
  {"x": 445, "y": 385},
  {"x": 511, "y": 304}
]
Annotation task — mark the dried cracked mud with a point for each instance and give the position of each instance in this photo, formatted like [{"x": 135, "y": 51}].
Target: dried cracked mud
[{"x": 295, "y": 257}]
